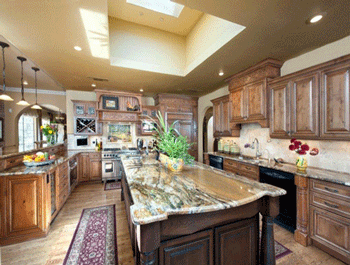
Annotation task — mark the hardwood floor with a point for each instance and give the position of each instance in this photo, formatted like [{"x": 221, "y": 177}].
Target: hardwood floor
[{"x": 52, "y": 249}]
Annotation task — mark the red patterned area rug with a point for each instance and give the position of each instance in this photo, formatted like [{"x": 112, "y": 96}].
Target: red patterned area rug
[
  {"x": 113, "y": 185},
  {"x": 95, "y": 238},
  {"x": 280, "y": 250}
]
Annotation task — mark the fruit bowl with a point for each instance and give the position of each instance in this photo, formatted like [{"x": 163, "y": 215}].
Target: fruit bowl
[{"x": 36, "y": 164}]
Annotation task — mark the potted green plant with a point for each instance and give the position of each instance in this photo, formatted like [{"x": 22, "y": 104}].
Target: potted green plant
[{"x": 173, "y": 146}]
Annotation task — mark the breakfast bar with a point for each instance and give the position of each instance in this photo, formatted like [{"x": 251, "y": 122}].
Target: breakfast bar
[{"x": 198, "y": 216}]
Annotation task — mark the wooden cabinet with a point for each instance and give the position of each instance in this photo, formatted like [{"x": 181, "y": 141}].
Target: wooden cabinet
[
  {"x": 84, "y": 108},
  {"x": 90, "y": 167},
  {"x": 85, "y": 118},
  {"x": 313, "y": 103},
  {"x": 242, "y": 169},
  {"x": 222, "y": 117},
  {"x": 185, "y": 110},
  {"x": 335, "y": 102},
  {"x": 249, "y": 94},
  {"x": 148, "y": 121},
  {"x": 62, "y": 184},
  {"x": 330, "y": 218},
  {"x": 84, "y": 167},
  {"x": 295, "y": 107},
  {"x": 24, "y": 207},
  {"x": 193, "y": 249},
  {"x": 233, "y": 243}
]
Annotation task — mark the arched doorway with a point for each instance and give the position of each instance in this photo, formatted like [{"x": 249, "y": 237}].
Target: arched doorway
[{"x": 208, "y": 142}]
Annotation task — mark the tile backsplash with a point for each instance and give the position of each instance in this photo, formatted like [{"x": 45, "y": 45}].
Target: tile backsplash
[{"x": 334, "y": 155}]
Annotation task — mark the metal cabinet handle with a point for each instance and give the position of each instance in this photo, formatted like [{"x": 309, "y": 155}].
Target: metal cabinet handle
[
  {"x": 247, "y": 168},
  {"x": 331, "y": 190},
  {"x": 331, "y": 205}
]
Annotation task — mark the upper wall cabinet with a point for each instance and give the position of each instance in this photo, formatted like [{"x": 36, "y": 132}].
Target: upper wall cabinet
[
  {"x": 85, "y": 118},
  {"x": 222, "y": 117},
  {"x": 248, "y": 93},
  {"x": 335, "y": 104},
  {"x": 312, "y": 103}
]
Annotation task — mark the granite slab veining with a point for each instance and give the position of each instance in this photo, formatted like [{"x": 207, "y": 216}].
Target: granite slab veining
[
  {"x": 158, "y": 192},
  {"x": 342, "y": 178}
]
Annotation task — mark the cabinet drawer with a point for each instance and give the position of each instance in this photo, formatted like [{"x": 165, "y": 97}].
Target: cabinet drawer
[
  {"x": 249, "y": 168},
  {"x": 95, "y": 155},
  {"x": 63, "y": 196},
  {"x": 338, "y": 206},
  {"x": 330, "y": 230},
  {"x": 63, "y": 184},
  {"x": 63, "y": 169},
  {"x": 333, "y": 189},
  {"x": 231, "y": 164}
]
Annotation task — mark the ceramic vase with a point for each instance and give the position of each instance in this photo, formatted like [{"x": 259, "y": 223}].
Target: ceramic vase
[
  {"x": 301, "y": 164},
  {"x": 175, "y": 164}
]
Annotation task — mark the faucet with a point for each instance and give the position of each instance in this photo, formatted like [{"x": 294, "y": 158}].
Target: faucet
[
  {"x": 257, "y": 154},
  {"x": 147, "y": 151}
]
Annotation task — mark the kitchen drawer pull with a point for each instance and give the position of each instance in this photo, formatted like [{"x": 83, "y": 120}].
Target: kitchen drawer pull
[
  {"x": 331, "y": 205},
  {"x": 331, "y": 190},
  {"x": 248, "y": 168}
]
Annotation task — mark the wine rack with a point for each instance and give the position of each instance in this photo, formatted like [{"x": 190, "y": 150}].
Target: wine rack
[{"x": 85, "y": 126}]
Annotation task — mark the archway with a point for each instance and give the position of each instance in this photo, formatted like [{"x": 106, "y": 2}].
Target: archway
[{"x": 207, "y": 124}]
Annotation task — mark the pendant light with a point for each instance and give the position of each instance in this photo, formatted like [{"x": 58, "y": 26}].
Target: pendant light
[
  {"x": 36, "y": 106},
  {"x": 4, "y": 96},
  {"x": 22, "y": 102}
]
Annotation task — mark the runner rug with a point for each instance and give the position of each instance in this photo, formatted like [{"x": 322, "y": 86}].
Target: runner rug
[
  {"x": 113, "y": 185},
  {"x": 280, "y": 250},
  {"x": 94, "y": 239}
]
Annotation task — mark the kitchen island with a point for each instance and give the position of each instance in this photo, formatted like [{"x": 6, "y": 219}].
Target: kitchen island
[{"x": 198, "y": 216}]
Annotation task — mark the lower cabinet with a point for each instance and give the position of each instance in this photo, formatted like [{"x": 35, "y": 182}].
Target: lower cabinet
[
  {"x": 330, "y": 218},
  {"x": 242, "y": 169},
  {"x": 224, "y": 245},
  {"x": 90, "y": 167},
  {"x": 25, "y": 201},
  {"x": 193, "y": 249}
]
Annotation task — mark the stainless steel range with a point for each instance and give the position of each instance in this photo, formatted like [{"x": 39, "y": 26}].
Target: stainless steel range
[{"x": 111, "y": 162}]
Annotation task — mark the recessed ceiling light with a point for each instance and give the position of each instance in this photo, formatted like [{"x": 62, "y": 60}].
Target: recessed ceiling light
[
  {"x": 77, "y": 48},
  {"x": 161, "y": 19},
  {"x": 316, "y": 18},
  {"x": 25, "y": 83},
  {"x": 141, "y": 90},
  {"x": 93, "y": 85},
  {"x": 221, "y": 73}
]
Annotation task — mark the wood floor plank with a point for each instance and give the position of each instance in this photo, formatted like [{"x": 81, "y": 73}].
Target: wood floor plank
[{"x": 52, "y": 249}]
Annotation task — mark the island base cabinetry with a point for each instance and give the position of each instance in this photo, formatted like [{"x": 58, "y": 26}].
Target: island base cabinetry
[{"x": 24, "y": 203}]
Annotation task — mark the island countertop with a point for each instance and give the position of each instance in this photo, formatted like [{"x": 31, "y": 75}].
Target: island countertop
[{"x": 157, "y": 192}]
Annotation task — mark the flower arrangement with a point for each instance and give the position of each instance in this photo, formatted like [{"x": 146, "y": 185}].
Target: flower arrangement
[
  {"x": 49, "y": 131},
  {"x": 298, "y": 147}
]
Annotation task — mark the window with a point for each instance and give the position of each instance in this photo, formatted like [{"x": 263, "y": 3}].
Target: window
[
  {"x": 162, "y": 6},
  {"x": 26, "y": 132}
]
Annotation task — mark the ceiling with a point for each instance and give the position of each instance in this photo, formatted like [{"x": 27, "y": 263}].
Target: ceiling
[
  {"x": 181, "y": 26},
  {"x": 47, "y": 31}
]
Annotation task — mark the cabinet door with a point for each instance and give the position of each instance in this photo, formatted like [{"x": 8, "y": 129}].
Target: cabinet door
[
  {"x": 305, "y": 106},
  {"x": 24, "y": 205},
  {"x": 2, "y": 206},
  {"x": 256, "y": 100},
  {"x": 331, "y": 230},
  {"x": 84, "y": 169},
  {"x": 226, "y": 117},
  {"x": 217, "y": 119},
  {"x": 193, "y": 249},
  {"x": 279, "y": 110},
  {"x": 335, "y": 103},
  {"x": 237, "y": 98},
  {"x": 234, "y": 243},
  {"x": 95, "y": 169}
]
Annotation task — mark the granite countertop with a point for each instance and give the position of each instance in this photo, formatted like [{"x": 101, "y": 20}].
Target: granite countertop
[
  {"x": 158, "y": 193},
  {"x": 13, "y": 151},
  {"x": 23, "y": 170},
  {"x": 311, "y": 172}
]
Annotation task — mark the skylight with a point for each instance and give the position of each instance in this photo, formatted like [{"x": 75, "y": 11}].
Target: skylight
[{"x": 162, "y": 6}]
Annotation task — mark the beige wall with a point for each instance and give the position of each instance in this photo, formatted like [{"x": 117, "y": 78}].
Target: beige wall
[
  {"x": 144, "y": 48},
  {"x": 208, "y": 35},
  {"x": 333, "y": 155},
  {"x": 204, "y": 103},
  {"x": 12, "y": 110}
]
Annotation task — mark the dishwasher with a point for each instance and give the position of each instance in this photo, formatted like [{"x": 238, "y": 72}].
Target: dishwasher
[
  {"x": 288, "y": 203},
  {"x": 216, "y": 161}
]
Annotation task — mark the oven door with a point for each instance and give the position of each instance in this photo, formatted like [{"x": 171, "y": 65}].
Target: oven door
[{"x": 110, "y": 169}]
